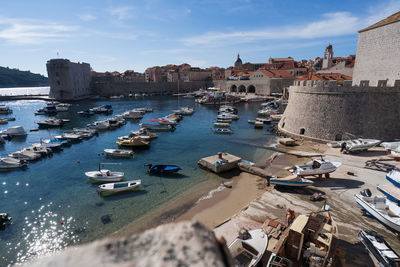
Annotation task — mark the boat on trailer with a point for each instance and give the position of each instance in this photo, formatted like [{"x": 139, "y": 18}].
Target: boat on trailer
[
  {"x": 120, "y": 186},
  {"x": 317, "y": 167},
  {"x": 379, "y": 248},
  {"x": 249, "y": 247}
]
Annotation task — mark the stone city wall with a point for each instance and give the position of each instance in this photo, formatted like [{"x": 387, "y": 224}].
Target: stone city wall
[
  {"x": 261, "y": 86},
  {"x": 116, "y": 88},
  {"x": 326, "y": 110}
]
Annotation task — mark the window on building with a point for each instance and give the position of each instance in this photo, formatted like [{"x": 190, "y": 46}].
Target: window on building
[{"x": 302, "y": 131}]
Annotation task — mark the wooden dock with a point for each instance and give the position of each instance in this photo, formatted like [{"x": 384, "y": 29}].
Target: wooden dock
[{"x": 219, "y": 163}]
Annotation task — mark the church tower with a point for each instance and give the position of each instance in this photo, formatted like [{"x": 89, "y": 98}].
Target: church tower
[
  {"x": 238, "y": 62},
  {"x": 327, "y": 61}
]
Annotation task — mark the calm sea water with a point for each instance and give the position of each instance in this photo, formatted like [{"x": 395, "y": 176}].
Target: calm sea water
[
  {"x": 53, "y": 204},
  {"x": 25, "y": 90}
]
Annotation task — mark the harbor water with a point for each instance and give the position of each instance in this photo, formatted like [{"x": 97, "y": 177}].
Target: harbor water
[{"x": 52, "y": 202}]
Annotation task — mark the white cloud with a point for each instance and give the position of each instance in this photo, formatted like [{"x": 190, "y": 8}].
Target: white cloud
[
  {"x": 331, "y": 24},
  {"x": 122, "y": 12},
  {"x": 19, "y": 31},
  {"x": 87, "y": 17},
  {"x": 381, "y": 11}
]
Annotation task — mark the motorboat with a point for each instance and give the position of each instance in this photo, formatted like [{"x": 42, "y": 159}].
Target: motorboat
[
  {"x": 137, "y": 95},
  {"x": 183, "y": 111},
  {"x": 25, "y": 155},
  {"x": 121, "y": 186},
  {"x": 162, "y": 169},
  {"x": 106, "y": 109},
  {"x": 134, "y": 142},
  {"x": 221, "y": 125},
  {"x": 228, "y": 116},
  {"x": 62, "y": 107},
  {"x": 86, "y": 113},
  {"x": 224, "y": 120},
  {"x": 3, "y": 121},
  {"x": 276, "y": 117},
  {"x": 228, "y": 109},
  {"x": 390, "y": 145},
  {"x": 70, "y": 137},
  {"x": 292, "y": 180},
  {"x": 164, "y": 121},
  {"x": 249, "y": 247},
  {"x": 99, "y": 125},
  {"x": 391, "y": 192},
  {"x": 394, "y": 177},
  {"x": 379, "y": 248},
  {"x": 264, "y": 120},
  {"x": 310, "y": 239},
  {"x": 381, "y": 208},
  {"x": 174, "y": 117},
  {"x": 15, "y": 131},
  {"x": 118, "y": 153},
  {"x": 51, "y": 123},
  {"x": 49, "y": 109},
  {"x": 222, "y": 130},
  {"x": 5, "y": 109},
  {"x": 132, "y": 115},
  {"x": 114, "y": 123},
  {"x": 103, "y": 175},
  {"x": 267, "y": 112},
  {"x": 157, "y": 128},
  {"x": 55, "y": 142},
  {"x": 144, "y": 132},
  {"x": 357, "y": 145},
  {"x": 7, "y": 164},
  {"x": 317, "y": 167},
  {"x": 39, "y": 149},
  {"x": 144, "y": 109},
  {"x": 5, "y": 220},
  {"x": 52, "y": 146},
  {"x": 85, "y": 133},
  {"x": 258, "y": 124}
]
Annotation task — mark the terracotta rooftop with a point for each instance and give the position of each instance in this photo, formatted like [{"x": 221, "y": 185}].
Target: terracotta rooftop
[
  {"x": 323, "y": 77},
  {"x": 391, "y": 19},
  {"x": 277, "y": 73}
]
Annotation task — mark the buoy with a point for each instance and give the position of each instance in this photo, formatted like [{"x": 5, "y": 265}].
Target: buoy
[
  {"x": 102, "y": 153},
  {"x": 98, "y": 154},
  {"x": 62, "y": 223},
  {"x": 78, "y": 161}
]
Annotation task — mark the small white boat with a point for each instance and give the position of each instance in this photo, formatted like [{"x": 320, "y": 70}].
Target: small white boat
[
  {"x": 105, "y": 176},
  {"x": 357, "y": 145},
  {"x": 382, "y": 209},
  {"x": 390, "y": 145},
  {"x": 135, "y": 142},
  {"x": 16, "y": 131},
  {"x": 391, "y": 192},
  {"x": 292, "y": 180},
  {"x": 118, "y": 153},
  {"x": 132, "y": 115},
  {"x": 99, "y": 125},
  {"x": 222, "y": 130},
  {"x": 248, "y": 248},
  {"x": 7, "y": 164},
  {"x": 264, "y": 120},
  {"x": 229, "y": 116},
  {"x": 258, "y": 124},
  {"x": 51, "y": 123},
  {"x": 144, "y": 132},
  {"x": 121, "y": 186},
  {"x": 379, "y": 248},
  {"x": 221, "y": 125},
  {"x": 25, "y": 155},
  {"x": 316, "y": 168},
  {"x": 394, "y": 177}
]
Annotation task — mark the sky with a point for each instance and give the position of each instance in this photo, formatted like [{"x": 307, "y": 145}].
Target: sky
[{"x": 136, "y": 34}]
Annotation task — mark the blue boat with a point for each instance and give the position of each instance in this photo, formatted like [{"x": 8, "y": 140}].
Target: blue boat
[
  {"x": 394, "y": 177},
  {"x": 163, "y": 169},
  {"x": 392, "y": 192}
]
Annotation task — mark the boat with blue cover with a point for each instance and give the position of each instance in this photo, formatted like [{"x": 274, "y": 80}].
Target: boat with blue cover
[
  {"x": 163, "y": 169},
  {"x": 394, "y": 177}
]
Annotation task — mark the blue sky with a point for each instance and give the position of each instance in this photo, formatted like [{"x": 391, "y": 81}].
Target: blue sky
[{"x": 136, "y": 34}]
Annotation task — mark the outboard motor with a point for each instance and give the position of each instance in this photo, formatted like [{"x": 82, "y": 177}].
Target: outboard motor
[
  {"x": 366, "y": 193},
  {"x": 244, "y": 234}
]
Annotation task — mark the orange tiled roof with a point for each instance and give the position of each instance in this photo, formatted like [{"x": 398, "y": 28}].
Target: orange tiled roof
[
  {"x": 277, "y": 73},
  {"x": 391, "y": 19},
  {"x": 323, "y": 77}
]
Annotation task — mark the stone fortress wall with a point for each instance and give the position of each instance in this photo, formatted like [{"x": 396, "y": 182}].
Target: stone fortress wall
[{"x": 326, "y": 110}]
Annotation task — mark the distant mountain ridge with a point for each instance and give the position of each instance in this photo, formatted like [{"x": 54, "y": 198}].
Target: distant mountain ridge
[{"x": 18, "y": 78}]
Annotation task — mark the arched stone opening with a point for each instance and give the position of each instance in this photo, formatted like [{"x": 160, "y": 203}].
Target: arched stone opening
[
  {"x": 233, "y": 88},
  {"x": 251, "y": 89},
  {"x": 302, "y": 131},
  {"x": 242, "y": 89}
]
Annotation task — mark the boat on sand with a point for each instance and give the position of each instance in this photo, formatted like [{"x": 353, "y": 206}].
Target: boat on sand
[
  {"x": 291, "y": 180},
  {"x": 317, "y": 167}
]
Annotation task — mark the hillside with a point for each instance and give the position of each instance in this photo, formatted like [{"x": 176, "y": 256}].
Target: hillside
[{"x": 17, "y": 78}]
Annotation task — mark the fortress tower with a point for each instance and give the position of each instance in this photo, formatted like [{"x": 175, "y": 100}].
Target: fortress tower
[
  {"x": 328, "y": 54},
  {"x": 68, "y": 80},
  {"x": 366, "y": 107}
]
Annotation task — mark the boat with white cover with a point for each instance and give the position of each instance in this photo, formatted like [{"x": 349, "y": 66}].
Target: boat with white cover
[
  {"x": 390, "y": 145},
  {"x": 121, "y": 186},
  {"x": 25, "y": 155},
  {"x": 249, "y": 247},
  {"x": 381, "y": 208},
  {"x": 105, "y": 176},
  {"x": 132, "y": 115},
  {"x": 394, "y": 177},
  {"x": 15, "y": 131},
  {"x": 7, "y": 164},
  {"x": 360, "y": 144},
  {"x": 379, "y": 248},
  {"x": 118, "y": 153},
  {"x": 317, "y": 167},
  {"x": 99, "y": 125},
  {"x": 292, "y": 180}
]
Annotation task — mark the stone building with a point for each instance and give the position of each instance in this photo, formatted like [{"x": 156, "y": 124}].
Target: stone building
[
  {"x": 68, "y": 80},
  {"x": 327, "y": 60},
  {"x": 378, "y": 52},
  {"x": 325, "y": 110}
]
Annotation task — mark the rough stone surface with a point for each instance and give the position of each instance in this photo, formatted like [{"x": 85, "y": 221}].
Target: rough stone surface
[
  {"x": 178, "y": 244},
  {"x": 322, "y": 110},
  {"x": 378, "y": 54}
]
